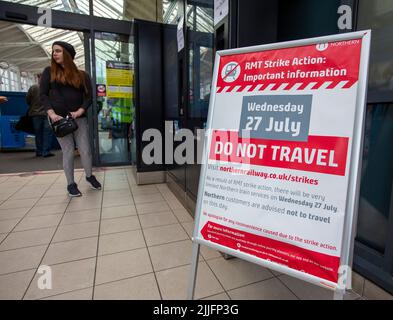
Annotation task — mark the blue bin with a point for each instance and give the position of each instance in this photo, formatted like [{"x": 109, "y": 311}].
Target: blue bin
[
  {"x": 16, "y": 105},
  {"x": 9, "y": 136}
]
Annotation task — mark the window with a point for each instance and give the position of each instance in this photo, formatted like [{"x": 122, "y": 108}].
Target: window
[
  {"x": 27, "y": 80},
  {"x": 75, "y": 6},
  {"x": 378, "y": 16},
  {"x": 4, "y": 80},
  {"x": 377, "y": 177},
  {"x": 200, "y": 42},
  {"x": 170, "y": 9},
  {"x": 9, "y": 79},
  {"x": 114, "y": 9},
  {"x": 150, "y": 10}
]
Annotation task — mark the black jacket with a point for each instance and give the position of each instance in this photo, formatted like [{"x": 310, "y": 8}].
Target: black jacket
[
  {"x": 64, "y": 99},
  {"x": 34, "y": 102}
]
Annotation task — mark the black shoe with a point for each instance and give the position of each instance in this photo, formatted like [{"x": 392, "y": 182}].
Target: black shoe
[
  {"x": 73, "y": 190},
  {"x": 49, "y": 155},
  {"x": 94, "y": 183}
]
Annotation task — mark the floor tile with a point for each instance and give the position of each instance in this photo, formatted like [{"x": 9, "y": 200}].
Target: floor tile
[
  {"x": 174, "y": 203},
  {"x": 147, "y": 198},
  {"x": 7, "y": 225},
  {"x": 70, "y": 251},
  {"x": 144, "y": 189},
  {"x": 157, "y": 219},
  {"x": 116, "y": 186},
  {"x": 173, "y": 283},
  {"x": 118, "y": 212},
  {"x": 189, "y": 227},
  {"x": 373, "y": 292},
  {"x": 13, "y": 204},
  {"x": 29, "y": 238},
  {"x": 110, "y": 194},
  {"x": 10, "y": 214},
  {"x": 120, "y": 225},
  {"x": 307, "y": 291},
  {"x": 118, "y": 242},
  {"x": 2, "y": 237},
  {"x": 60, "y": 190},
  {"x": 21, "y": 259},
  {"x": 31, "y": 193},
  {"x": 153, "y": 207},
  {"x": 81, "y": 206},
  {"x": 235, "y": 273},
  {"x": 183, "y": 215},
  {"x": 5, "y": 196},
  {"x": 3, "y": 179},
  {"x": 165, "y": 234},
  {"x": 52, "y": 209},
  {"x": 12, "y": 185},
  {"x": 53, "y": 201},
  {"x": 117, "y": 202},
  {"x": 271, "y": 289},
  {"x": 77, "y": 231},
  {"x": 209, "y": 253},
  {"x": 9, "y": 189},
  {"x": 91, "y": 196},
  {"x": 171, "y": 255},
  {"x": 138, "y": 288},
  {"x": 43, "y": 181},
  {"x": 84, "y": 294},
  {"x": 220, "y": 296},
  {"x": 123, "y": 265},
  {"x": 163, "y": 187},
  {"x": 66, "y": 277},
  {"x": 31, "y": 223},
  {"x": 277, "y": 274},
  {"x": 358, "y": 283},
  {"x": 153, "y": 191},
  {"x": 13, "y": 286},
  {"x": 77, "y": 217}
]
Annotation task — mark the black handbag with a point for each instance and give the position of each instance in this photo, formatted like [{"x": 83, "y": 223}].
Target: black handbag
[
  {"x": 25, "y": 124},
  {"x": 64, "y": 126}
]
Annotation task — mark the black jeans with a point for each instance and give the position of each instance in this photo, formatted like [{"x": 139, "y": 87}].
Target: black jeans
[{"x": 43, "y": 135}]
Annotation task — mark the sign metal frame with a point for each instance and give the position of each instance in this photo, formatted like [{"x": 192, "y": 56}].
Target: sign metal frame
[{"x": 351, "y": 211}]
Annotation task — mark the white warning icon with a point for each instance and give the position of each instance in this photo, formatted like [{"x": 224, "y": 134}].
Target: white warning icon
[{"x": 231, "y": 72}]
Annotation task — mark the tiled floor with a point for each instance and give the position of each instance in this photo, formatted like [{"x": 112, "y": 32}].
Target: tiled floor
[{"x": 124, "y": 242}]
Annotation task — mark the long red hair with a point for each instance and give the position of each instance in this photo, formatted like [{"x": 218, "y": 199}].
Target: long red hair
[{"x": 70, "y": 74}]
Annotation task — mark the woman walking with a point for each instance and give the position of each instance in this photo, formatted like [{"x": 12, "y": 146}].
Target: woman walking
[{"x": 65, "y": 90}]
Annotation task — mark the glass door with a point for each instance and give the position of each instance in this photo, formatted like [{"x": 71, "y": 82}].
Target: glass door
[
  {"x": 115, "y": 123},
  {"x": 200, "y": 70}
]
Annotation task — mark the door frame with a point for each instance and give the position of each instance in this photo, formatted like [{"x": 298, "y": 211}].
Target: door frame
[{"x": 89, "y": 25}]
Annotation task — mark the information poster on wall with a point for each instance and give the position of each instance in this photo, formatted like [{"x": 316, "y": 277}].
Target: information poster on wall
[
  {"x": 282, "y": 157},
  {"x": 180, "y": 35},
  {"x": 221, "y": 10},
  {"x": 119, "y": 80}
]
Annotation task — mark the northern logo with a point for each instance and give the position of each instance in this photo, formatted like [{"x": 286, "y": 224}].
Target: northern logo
[{"x": 322, "y": 46}]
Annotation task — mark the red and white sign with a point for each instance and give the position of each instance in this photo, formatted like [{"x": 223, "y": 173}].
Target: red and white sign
[
  {"x": 101, "y": 90},
  {"x": 280, "y": 154}
]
